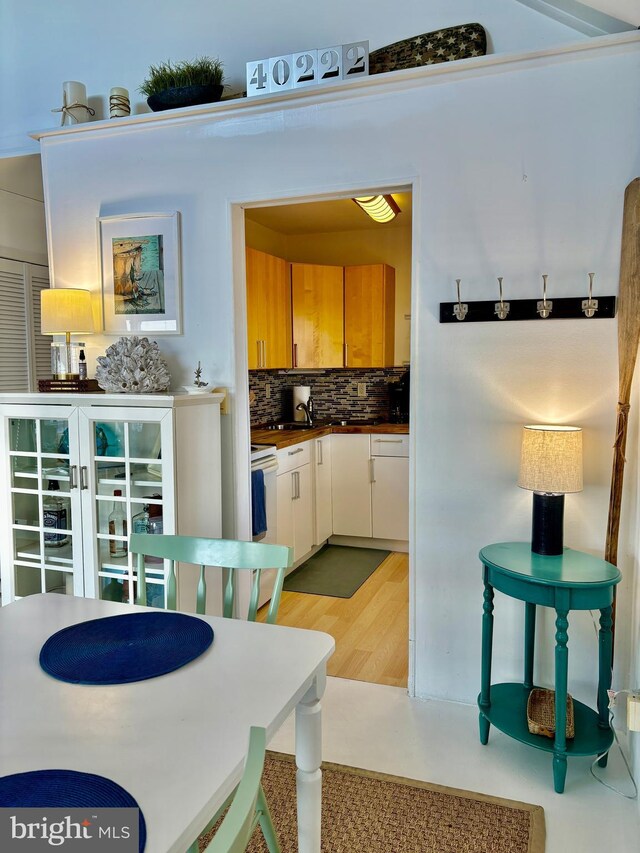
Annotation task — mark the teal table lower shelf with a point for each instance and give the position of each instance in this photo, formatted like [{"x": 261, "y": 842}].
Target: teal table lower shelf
[{"x": 508, "y": 713}]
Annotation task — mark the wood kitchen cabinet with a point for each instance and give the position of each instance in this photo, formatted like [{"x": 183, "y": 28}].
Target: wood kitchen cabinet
[
  {"x": 318, "y": 315},
  {"x": 369, "y": 315},
  {"x": 268, "y": 311}
]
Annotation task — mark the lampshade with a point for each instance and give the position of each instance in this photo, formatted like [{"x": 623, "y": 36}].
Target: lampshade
[
  {"x": 65, "y": 309},
  {"x": 381, "y": 208},
  {"x": 551, "y": 459}
]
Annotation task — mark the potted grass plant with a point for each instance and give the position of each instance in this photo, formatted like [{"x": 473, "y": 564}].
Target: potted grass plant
[{"x": 183, "y": 84}]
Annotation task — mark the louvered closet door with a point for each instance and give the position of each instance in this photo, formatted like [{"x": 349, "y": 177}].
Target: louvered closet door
[
  {"x": 25, "y": 354},
  {"x": 14, "y": 349},
  {"x": 37, "y": 280}
]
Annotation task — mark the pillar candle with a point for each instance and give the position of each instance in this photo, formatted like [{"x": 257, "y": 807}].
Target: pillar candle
[
  {"x": 75, "y": 93},
  {"x": 119, "y": 105}
]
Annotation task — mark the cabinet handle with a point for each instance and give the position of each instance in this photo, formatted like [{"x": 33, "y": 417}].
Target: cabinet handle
[
  {"x": 320, "y": 456},
  {"x": 297, "y": 473},
  {"x": 293, "y": 452},
  {"x": 295, "y": 355},
  {"x": 388, "y": 440},
  {"x": 295, "y": 485},
  {"x": 83, "y": 477},
  {"x": 259, "y": 353},
  {"x": 346, "y": 355},
  {"x": 264, "y": 353},
  {"x": 372, "y": 471},
  {"x": 72, "y": 477}
]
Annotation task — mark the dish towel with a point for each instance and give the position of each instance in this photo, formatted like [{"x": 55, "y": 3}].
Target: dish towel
[{"x": 258, "y": 503}]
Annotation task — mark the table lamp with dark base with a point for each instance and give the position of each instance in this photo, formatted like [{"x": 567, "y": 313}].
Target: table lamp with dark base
[{"x": 550, "y": 466}]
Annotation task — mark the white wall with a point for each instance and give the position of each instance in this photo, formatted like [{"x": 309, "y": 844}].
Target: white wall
[
  {"x": 112, "y": 44},
  {"x": 516, "y": 173},
  {"x": 22, "y": 221},
  {"x": 365, "y": 246}
]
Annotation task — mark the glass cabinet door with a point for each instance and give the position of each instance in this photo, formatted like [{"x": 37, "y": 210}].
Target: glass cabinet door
[
  {"x": 42, "y": 547},
  {"x": 128, "y": 475}
]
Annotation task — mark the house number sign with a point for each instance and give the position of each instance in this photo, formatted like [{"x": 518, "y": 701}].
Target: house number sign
[{"x": 308, "y": 68}]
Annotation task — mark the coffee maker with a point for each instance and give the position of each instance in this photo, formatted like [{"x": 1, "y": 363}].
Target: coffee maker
[{"x": 399, "y": 400}]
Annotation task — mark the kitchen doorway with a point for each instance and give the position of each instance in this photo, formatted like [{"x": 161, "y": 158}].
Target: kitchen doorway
[{"x": 347, "y": 280}]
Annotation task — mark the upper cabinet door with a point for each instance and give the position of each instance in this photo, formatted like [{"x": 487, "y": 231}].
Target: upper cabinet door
[
  {"x": 369, "y": 315},
  {"x": 318, "y": 315},
  {"x": 268, "y": 311}
]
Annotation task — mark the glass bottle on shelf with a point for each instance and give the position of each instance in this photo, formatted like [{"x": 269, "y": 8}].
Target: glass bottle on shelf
[
  {"x": 117, "y": 527},
  {"x": 140, "y": 521},
  {"x": 54, "y": 515}
]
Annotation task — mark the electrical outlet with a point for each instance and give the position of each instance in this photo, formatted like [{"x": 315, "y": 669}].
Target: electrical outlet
[
  {"x": 267, "y": 391},
  {"x": 362, "y": 389},
  {"x": 633, "y": 711}
]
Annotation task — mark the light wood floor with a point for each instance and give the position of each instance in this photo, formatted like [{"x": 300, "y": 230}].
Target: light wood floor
[{"x": 371, "y": 629}]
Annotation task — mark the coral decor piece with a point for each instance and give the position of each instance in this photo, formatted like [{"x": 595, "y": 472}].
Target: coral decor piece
[{"x": 133, "y": 366}]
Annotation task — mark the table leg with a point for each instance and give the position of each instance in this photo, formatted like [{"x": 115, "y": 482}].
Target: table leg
[
  {"x": 308, "y": 760},
  {"x": 605, "y": 643},
  {"x": 561, "y": 665},
  {"x": 487, "y": 643},
  {"x": 529, "y": 642}
]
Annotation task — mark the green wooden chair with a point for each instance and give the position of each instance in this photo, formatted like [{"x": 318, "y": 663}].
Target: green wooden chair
[
  {"x": 234, "y": 556},
  {"x": 230, "y": 554},
  {"x": 248, "y": 806}
]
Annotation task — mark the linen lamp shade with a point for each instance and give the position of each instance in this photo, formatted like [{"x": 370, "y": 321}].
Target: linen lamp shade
[
  {"x": 550, "y": 467},
  {"x": 65, "y": 310},
  {"x": 551, "y": 459}
]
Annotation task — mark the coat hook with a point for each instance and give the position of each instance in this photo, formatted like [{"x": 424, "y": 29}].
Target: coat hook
[
  {"x": 544, "y": 307},
  {"x": 460, "y": 310},
  {"x": 590, "y": 305},
  {"x": 501, "y": 308}
]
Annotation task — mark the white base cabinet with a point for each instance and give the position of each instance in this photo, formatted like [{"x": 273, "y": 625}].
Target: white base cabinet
[
  {"x": 370, "y": 486},
  {"x": 351, "y": 485},
  {"x": 68, "y": 461},
  {"x": 323, "y": 499},
  {"x": 295, "y": 523}
]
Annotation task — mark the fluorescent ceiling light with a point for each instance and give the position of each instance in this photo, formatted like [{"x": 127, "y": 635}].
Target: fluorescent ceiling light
[{"x": 381, "y": 208}]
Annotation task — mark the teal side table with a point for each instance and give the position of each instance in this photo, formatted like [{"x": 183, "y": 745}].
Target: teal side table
[{"x": 571, "y": 581}]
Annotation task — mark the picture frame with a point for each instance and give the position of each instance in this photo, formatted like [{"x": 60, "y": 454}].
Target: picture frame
[{"x": 140, "y": 266}]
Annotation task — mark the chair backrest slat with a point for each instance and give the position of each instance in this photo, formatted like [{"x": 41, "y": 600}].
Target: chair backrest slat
[
  {"x": 225, "y": 553},
  {"x": 235, "y": 830}
]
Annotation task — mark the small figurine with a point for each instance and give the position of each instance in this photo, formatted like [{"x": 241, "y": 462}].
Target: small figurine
[{"x": 198, "y": 381}]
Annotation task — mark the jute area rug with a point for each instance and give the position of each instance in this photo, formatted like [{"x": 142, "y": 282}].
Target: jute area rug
[{"x": 366, "y": 812}]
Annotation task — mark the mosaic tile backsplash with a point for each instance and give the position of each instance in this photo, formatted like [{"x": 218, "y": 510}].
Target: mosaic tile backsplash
[{"x": 334, "y": 392}]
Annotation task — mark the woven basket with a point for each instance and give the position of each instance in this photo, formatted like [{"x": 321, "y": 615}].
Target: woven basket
[{"x": 541, "y": 713}]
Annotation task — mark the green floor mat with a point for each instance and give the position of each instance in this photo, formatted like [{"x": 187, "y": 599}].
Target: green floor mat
[{"x": 335, "y": 570}]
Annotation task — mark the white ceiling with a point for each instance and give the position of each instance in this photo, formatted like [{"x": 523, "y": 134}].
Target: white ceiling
[{"x": 326, "y": 216}]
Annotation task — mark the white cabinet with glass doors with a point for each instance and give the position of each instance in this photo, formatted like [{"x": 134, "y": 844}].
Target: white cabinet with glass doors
[{"x": 80, "y": 472}]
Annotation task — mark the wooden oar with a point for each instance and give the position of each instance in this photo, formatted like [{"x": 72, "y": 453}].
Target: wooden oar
[{"x": 628, "y": 340}]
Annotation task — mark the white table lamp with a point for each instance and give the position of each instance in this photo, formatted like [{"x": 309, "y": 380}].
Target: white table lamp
[{"x": 65, "y": 311}]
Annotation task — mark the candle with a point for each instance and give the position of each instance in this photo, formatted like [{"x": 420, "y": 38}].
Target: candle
[
  {"x": 119, "y": 105},
  {"x": 75, "y": 93}
]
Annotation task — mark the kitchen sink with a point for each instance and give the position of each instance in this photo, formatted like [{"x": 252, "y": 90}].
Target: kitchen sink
[{"x": 288, "y": 426}]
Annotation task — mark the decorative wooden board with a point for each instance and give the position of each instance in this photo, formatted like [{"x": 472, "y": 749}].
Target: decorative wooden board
[{"x": 445, "y": 45}]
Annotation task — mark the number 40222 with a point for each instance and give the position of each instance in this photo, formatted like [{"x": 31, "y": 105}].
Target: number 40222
[{"x": 308, "y": 68}]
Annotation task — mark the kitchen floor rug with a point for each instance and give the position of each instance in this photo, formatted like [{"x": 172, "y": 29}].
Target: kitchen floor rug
[
  {"x": 335, "y": 570},
  {"x": 377, "y": 813}
]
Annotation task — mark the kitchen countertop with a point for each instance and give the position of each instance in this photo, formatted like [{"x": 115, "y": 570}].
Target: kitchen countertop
[{"x": 286, "y": 438}]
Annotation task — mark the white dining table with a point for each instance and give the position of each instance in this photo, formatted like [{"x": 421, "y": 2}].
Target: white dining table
[{"x": 176, "y": 743}]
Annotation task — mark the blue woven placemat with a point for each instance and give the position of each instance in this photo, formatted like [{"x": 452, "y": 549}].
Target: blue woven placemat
[
  {"x": 67, "y": 789},
  {"x": 122, "y": 649}
]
